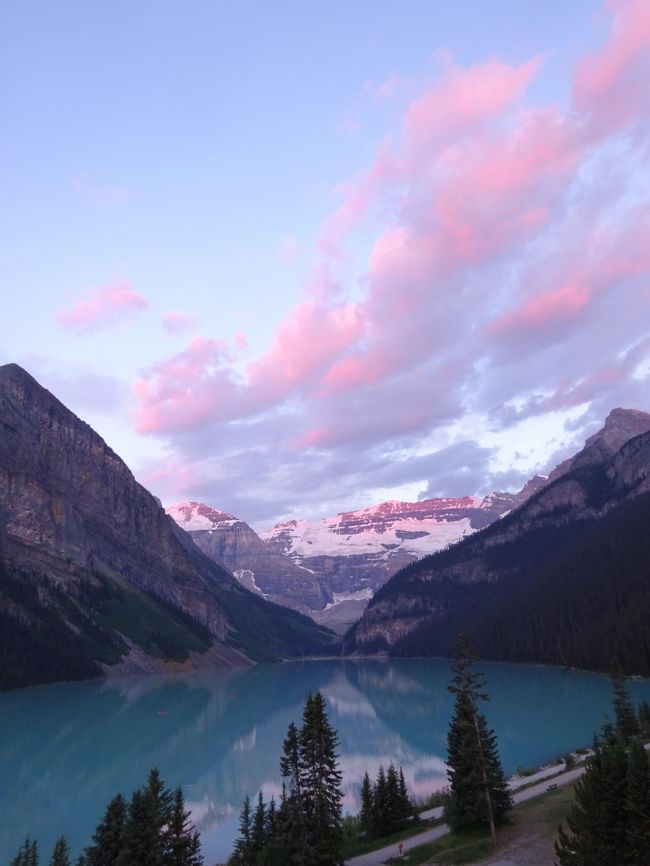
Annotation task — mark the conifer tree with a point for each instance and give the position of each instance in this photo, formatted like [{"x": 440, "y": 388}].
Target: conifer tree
[
  {"x": 182, "y": 842},
  {"x": 291, "y": 833},
  {"x": 596, "y": 824},
  {"x": 638, "y": 804},
  {"x": 61, "y": 853},
  {"x": 479, "y": 795},
  {"x": 404, "y": 801},
  {"x": 258, "y": 828},
  {"x": 379, "y": 804},
  {"x": 392, "y": 817},
  {"x": 242, "y": 852},
  {"x": 321, "y": 784},
  {"x": 367, "y": 806},
  {"x": 27, "y": 854},
  {"x": 271, "y": 819},
  {"x": 149, "y": 812},
  {"x": 107, "y": 838}
]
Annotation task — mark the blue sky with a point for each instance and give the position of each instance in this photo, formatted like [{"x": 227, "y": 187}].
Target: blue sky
[{"x": 194, "y": 154}]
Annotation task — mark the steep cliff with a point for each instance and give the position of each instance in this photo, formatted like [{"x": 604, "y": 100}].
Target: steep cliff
[
  {"x": 232, "y": 543},
  {"x": 83, "y": 544}
]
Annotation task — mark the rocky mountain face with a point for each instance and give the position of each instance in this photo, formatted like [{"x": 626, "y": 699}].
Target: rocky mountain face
[
  {"x": 237, "y": 547},
  {"x": 612, "y": 468},
  {"x": 331, "y": 568},
  {"x": 83, "y": 544}
]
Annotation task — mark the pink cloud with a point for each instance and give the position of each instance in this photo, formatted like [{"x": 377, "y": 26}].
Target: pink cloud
[
  {"x": 304, "y": 345},
  {"x": 464, "y": 100},
  {"x": 496, "y": 228},
  {"x": 546, "y": 310},
  {"x": 178, "y": 322},
  {"x": 104, "y": 307},
  {"x": 185, "y": 391},
  {"x": 611, "y": 85}
]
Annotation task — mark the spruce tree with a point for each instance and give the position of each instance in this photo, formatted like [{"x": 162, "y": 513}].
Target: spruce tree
[
  {"x": 379, "y": 809},
  {"x": 61, "y": 853},
  {"x": 182, "y": 842},
  {"x": 321, "y": 784},
  {"x": 637, "y": 805},
  {"x": 258, "y": 828},
  {"x": 27, "y": 854},
  {"x": 107, "y": 838},
  {"x": 242, "y": 852},
  {"x": 597, "y": 823},
  {"x": 392, "y": 823},
  {"x": 404, "y": 801},
  {"x": 367, "y": 807},
  {"x": 479, "y": 795},
  {"x": 149, "y": 812},
  {"x": 291, "y": 832}
]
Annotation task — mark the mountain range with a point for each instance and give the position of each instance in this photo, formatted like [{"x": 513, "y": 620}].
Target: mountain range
[
  {"x": 95, "y": 577},
  {"x": 332, "y": 567}
]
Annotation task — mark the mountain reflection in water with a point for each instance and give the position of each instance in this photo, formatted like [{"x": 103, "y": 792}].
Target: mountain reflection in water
[{"x": 65, "y": 750}]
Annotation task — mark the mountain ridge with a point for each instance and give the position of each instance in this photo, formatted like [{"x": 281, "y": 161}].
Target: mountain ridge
[
  {"x": 430, "y": 591},
  {"x": 85, "y": 546}
]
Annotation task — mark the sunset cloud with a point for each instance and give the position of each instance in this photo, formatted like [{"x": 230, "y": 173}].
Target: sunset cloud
[
  {"x": 102, "y": 308},
  {"x": 505, "y": 242}
]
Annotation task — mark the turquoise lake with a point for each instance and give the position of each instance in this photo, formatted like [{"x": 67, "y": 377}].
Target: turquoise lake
[{"x": 65, "y": 750}]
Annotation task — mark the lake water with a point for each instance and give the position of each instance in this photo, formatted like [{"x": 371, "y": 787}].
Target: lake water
[{"x": 65, "y": 750}]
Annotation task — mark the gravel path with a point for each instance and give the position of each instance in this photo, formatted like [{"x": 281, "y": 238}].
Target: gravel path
[{"x": 375, "y": 858}]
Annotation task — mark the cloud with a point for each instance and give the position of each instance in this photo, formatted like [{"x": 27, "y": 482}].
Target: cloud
[
  {"x": 102, "y": 308},
  {"x": 178, "y": 322},
  {"x": 506, "y": 278}
]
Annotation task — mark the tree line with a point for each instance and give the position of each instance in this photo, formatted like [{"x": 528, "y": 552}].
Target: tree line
[{"x": 152, "y": 829}]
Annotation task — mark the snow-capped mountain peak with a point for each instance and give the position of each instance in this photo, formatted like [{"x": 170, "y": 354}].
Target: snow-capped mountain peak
[{"x": 196, "y": 516}]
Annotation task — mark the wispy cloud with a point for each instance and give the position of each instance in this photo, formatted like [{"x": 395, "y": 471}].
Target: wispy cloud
[
  {"x": 508, "y": 251},
  {"x": 102, "y": 308}
]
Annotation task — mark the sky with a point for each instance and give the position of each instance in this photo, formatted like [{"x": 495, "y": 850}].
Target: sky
[{"x": 291, "y": 259}]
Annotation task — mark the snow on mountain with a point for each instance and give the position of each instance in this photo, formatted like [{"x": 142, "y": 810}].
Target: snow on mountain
[
  {"x": 414, "y": 528},
  {"x": 195, "y": 516}
]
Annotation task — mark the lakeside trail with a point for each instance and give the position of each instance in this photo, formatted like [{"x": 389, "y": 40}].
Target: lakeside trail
[{"x": 540, "y": 785}]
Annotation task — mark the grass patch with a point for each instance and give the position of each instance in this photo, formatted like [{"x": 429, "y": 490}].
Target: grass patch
[
  {"x": 548, "y": 809},
  {"x": 355, "y": 847},
  {"x": 450, "y": 850},
  {"x": 160, "y": 629}
]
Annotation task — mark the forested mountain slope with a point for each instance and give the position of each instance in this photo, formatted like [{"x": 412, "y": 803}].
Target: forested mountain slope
[{"x": 565, "y": 579}]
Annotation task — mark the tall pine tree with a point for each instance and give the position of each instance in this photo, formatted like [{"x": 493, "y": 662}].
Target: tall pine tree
[
  {"x": 182, "y": 842},
  {"x": 107, "y": 838},
  {"x": 61, "y": 853},
  {"x": 242, "y": 853},
  {"x": 321, "y": 784},
  {"x": 479, "y": 795},
  {"x": 609, "y": 821},
  {"x": 27, "y": 854},
  {"x": 367, "y": 806}
]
